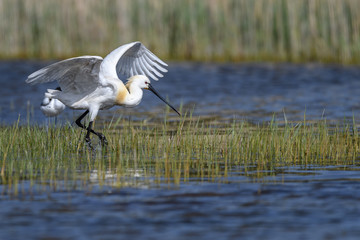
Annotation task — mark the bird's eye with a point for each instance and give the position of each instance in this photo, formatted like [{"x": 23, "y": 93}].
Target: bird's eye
[{"x": 146, "y": 83}]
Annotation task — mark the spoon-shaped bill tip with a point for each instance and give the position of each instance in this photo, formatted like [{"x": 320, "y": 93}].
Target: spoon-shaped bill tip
[{"x": 151, "y": 88}]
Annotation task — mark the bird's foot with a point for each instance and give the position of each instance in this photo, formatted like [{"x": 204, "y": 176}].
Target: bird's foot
[
  {"x": 88, "y": 142},
  {"x": 103, "y": 140}
]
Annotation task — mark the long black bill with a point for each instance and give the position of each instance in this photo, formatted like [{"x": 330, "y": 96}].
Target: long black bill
[{"x": 157, "y": 94}]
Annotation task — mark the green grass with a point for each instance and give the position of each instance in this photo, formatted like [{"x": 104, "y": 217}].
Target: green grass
[
  {"x": 232, "y": 30},
  {"x": 169, "y": 152}
]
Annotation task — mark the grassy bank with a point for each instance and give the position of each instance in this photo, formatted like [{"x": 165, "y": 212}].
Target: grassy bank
[
  {"x": 261, "y": 30},
  {"x": 168, "y": 152}
]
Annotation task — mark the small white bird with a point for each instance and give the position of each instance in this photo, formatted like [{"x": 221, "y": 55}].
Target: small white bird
[
  {"x": 51, "y": 107},
  {"x": 92, "y": 83}
]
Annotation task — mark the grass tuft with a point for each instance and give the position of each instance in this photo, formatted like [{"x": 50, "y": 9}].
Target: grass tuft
[{"x": 168, "y": 152}]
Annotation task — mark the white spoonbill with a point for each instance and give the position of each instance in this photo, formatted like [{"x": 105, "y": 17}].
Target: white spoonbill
[
  {"x": 92, "y": 83},
  {"x": 52, "y": 107}
]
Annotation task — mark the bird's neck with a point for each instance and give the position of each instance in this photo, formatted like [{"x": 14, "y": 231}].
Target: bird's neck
[
  {"x": 129, "y": 96},
  {"x": 135, "y": 96}
]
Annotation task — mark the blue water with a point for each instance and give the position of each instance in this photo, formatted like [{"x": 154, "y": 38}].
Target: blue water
[
  {"x": 292, "y": 203},
  {"x": 317, "y": 203},
  {"x": 250, "y": 91}
]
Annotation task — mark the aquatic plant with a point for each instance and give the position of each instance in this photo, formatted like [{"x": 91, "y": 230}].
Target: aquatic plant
[
  {"x": 276, "y": 30},
  {"x": 168, "y": 152}
]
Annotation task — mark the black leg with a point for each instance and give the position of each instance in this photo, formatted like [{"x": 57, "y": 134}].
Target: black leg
[
  {"x": 78, "y": 121},
  {"x": 90, "y": 130},
  {"x": 87, "y": 137},
  {"x": 100, "y": 135}
]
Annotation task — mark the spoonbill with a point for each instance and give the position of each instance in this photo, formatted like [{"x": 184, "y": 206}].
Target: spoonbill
[
  {"x": 92, "y": 83},
  {"x": 52, "y": 107}
]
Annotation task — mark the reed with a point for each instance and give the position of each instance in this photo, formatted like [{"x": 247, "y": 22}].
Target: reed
[
  {"x": 169, "y": 152},
  {"x": 232, "y": 30}
]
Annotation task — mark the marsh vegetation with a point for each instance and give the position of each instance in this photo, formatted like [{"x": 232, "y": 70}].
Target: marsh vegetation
[
  {"x": 169, "y": 151},
  {"x": 275, "y": 30}
]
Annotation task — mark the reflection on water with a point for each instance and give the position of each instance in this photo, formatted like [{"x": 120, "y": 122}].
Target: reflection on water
[
  {"x": 319, "y": 203},
  {"x": 252, "y": 91}
]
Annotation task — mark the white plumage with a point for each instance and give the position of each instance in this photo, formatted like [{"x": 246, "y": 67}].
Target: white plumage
[
  {"x": 51, "y": 107},
  {"x": 92, "y": 83}
]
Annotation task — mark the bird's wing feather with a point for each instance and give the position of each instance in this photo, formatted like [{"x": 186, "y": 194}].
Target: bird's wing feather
[
  {"x": 133, "y": 59},
  {"x": 76, "y": 75}
]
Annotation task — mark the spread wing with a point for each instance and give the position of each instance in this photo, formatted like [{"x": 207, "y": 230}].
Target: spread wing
[
  {"x": 133, "y": 59},
  {"x": 76, "y": 75}
]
